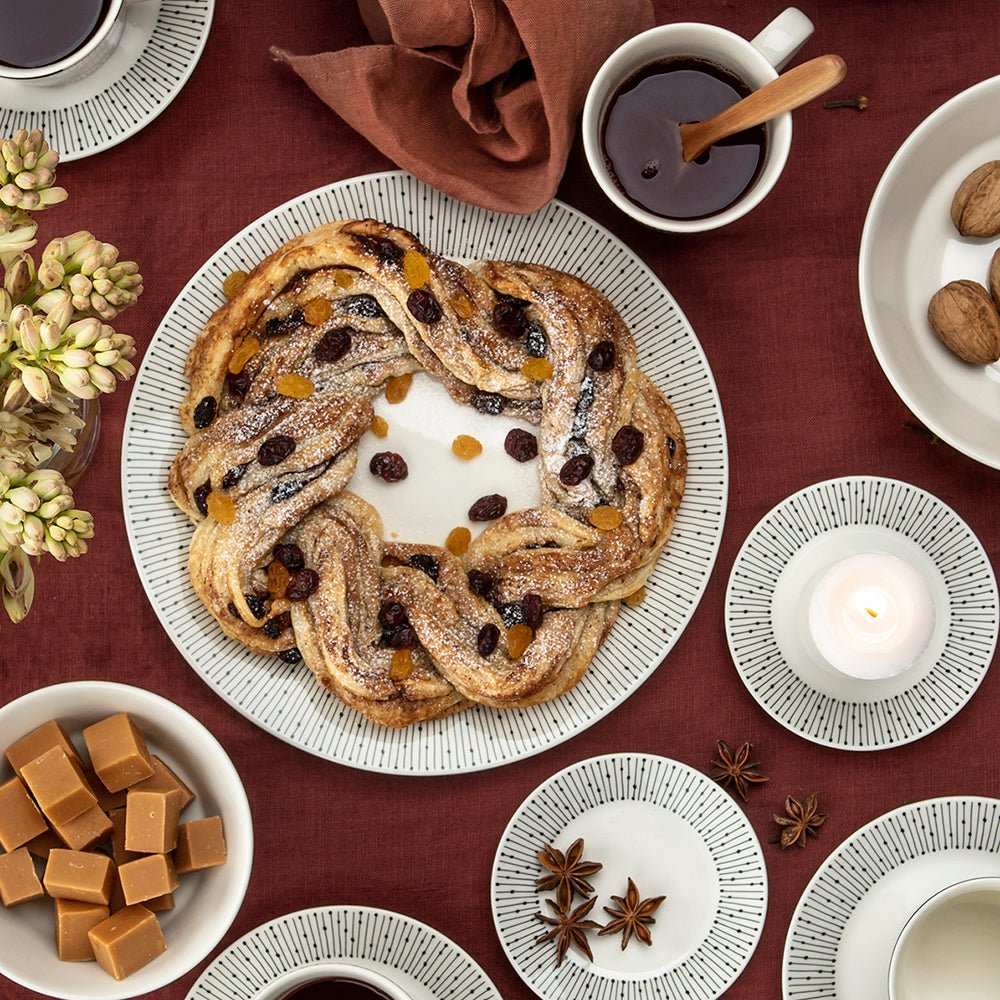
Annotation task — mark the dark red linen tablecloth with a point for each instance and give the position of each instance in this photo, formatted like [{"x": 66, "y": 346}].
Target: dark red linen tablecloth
[{"x": 774, "y": 301}]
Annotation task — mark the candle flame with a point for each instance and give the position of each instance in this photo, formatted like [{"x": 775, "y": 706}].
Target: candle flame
[{"x": 872, "y": 612}]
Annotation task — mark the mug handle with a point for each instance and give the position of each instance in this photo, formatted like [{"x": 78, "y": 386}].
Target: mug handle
[{"x": 783, "y": 37}]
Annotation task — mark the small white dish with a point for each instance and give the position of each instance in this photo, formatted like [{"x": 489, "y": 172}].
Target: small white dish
[
  {"x": 845, "y": 927},
  {"x": 676, "y": 833},
  {"x": 772, "y": 581},
  {"x": 206, "y": 902},
  {"x": 416, "y": 959},
  {"x": 909, "y": 249},
  {"x": 159, "y": 48}
]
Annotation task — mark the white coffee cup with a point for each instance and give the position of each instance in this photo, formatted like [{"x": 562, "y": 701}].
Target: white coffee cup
[
  {"x": 756, "y": 62},
  {"x": 950, "y": 947},
  {"x": 285, "y": 985}
]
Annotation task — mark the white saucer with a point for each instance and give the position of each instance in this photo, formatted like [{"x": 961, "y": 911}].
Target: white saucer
[
  {"x": 160, "y": 47},
  {"x": 843, "y": 931},
  {"x": 774, "y": 575},
  {"x": 676, "y": 833},
  {"x": 417, "y": 958}
]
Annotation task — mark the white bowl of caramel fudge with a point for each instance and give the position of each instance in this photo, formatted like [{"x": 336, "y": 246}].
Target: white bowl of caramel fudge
[{"x": 126, "y": 841}]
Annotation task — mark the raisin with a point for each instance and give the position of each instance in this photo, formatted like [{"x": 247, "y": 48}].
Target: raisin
[
  {"x": 317, "y": 311},
  {"x": 536, "y": 344},
  {"x": 289, "y": 555},
  {"x": 504, "y": 297},
  {"x": 273, "y": 327},
  {"x": 488, "y": 508},
  {"x": 397, "y": 387},
  {"x": 343, "y": 279},
  {"x": 576, "y": 470},
  {"x": 233, "y": 283},
  {"x": 302, "y": 584},
  {"x": 401, "y": 637},
  {"x": 275, "y": 450},
  {"x": 671, "y": 446},
  {"x": 389, "y": 466},
  {"x": 231, "y": 608},
  {"x": 423, "y": 306},
  {"x": 602, "y": 357},
  {"x": 385, "y": 250},
  {"x": 458, "y": 541},
  {"x": 520, "y": 445},
  {"x": 205, "y": 411},
  {"x": 512, "y": 614},
  {"x": 242, "y": 354},
  {"x": 290, "y": 655},
  {"x": 294, "y": 386},
  {"x": 537, "y": 369},
  {"x": 239, "y": 385},
  {"x": 636, "y": 598},
  {"x": 531, "y": 610},
  {"x": 233, "y": 476},
  {"x": 380, "y": 427},
  {"x": 480, "y": 583},
  {"x": 509, "y": 319},
  {"x": 362, "y": 306},
  {"x": 276, "y": 625},
  {"x": 518, "y": 640},
  {"x": 627, "y": 444},
  {"x": 333, "y": 345},
  {"x": 402, "y": 665},
  {"x": 391, "y": 614},
  {"x": 486, "y": 641},
  {"x": 605, "y": 518},
  {"x": 488, "y": 402},
  {"x": 221, "y": 508},
  {"x": 462, "y": 305},
  {"x": 416, "y": 270},
  {"x": 201, "y": 496},
  {"x": 256, "y": 604},
  {"x": 466, "y": 447},
  {"x": 282, "y": 491},
  {"x": 278, "y": 325},
  {"x": 428, "y": 564}
]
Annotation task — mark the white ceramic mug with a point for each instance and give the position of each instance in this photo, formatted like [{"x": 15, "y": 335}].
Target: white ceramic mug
[
  {"x": 756, "y": 62},
  {"x": 285, "y": 985},
  {"x": 950, "y": 947}
]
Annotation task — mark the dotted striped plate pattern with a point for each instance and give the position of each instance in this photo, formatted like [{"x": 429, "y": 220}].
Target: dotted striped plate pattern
[
  {"x": 715, "y": 819},
  {"x": 842, "y": 933},
  {"x": 866, "y": 721},
  {"x": 159, "y": 49},
  {"x": 416, "y": 957},
  {"x": 285, "y": 700}
]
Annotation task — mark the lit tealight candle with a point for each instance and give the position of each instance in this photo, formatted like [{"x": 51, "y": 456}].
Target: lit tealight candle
[{"x": 871, "y": 615}]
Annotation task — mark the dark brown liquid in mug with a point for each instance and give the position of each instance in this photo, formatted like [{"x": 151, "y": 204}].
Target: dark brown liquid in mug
[
  {"x": 41, "y": 32},
  {"x": 641, "y": 140},
  {"x": 336, "y": 989}
]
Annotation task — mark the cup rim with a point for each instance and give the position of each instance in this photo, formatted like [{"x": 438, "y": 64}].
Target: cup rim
[
  {"x": 318, "y": 971},
  {"x": 608, "y": 77},
  {"x": 100, "y": 33}
]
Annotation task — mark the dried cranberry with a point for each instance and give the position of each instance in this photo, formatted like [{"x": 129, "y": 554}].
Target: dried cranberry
[
  {"x": 389, "y": 466},
  {"x": 627, "y": 444},
  {"x": 424, "y": 308},
  {"x": 488, "y": 508},
  {"x": 520, "y": 445},
  {"x": 531, "y": 610},
  {"x": 488, "y": 402},
  {"x": 512, "y": 614},
  {"x": 427, "y": 563},
  {"x": 509, "y": 318},
  {"x": 256, "y": 604},
  {"x": 480, "y": 583},
  {"x": 392, "y": 613},
  {"x": 201, "y": 496},
  {"x": 486, "y": 641},
  {"x": 302, "y": 584},
  {"x": 576, "y": 470},
  {"x": 205, "y": 411},
  {"x": 602, "y": 357},
  {"x": 401, "y": 637},
  {"x": 289, "y": 555},
  {"x": 290, "y": 655},
  {"x": 536, "y": 344},
  {"x": 233, "y": 476},
  {"x": 275, "y": 450},
  {"x": 333, "y": 345},
  {"x": 239, "y": 384},
  {"x": 385, "y": 250},
  {"x": 276, "y": 625}
]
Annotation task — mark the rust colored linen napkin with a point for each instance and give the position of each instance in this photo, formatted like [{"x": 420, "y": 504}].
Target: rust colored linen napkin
[{"x": 477, "y": 97}]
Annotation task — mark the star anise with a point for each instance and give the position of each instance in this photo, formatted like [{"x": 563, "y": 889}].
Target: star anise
[
  {"x": 736, "y": 768},
  {"x": 632, "y": 915},
  {"x": 569, "y": 928},
  {"x": 802, "y": 821},
  {"x": 569, "y": 873}
]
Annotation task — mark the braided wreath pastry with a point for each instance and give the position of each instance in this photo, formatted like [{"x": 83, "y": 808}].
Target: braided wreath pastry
[{"x": 290, "y": 562}]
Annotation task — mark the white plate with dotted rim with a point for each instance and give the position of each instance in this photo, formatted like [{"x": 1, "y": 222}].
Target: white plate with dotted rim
[
  {"x": 417, "y": 958},
  {"x": 285, "y": 700},
  {"x": 772, "y": 580},
  {"x": 159, "y": 49},
  {"x": 843, "y": 931},
  {"x": 676, "y": 833}
]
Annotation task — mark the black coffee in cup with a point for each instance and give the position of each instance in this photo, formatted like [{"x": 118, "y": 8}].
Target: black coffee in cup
[
  {"x": 337, "y": 988},
  {"x": 37, "y": 33}
]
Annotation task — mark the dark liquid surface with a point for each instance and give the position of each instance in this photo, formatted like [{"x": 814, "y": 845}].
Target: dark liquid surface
[
  {"x": 336, "y": 989},
  {"x": 40, "y": 32},
  {"x": 641, "y": 140}
]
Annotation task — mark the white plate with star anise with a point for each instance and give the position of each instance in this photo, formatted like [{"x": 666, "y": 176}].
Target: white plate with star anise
[{"x": 582, "y": 865}]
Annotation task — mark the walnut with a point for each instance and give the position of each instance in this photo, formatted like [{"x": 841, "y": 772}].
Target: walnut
[
  {"x": 975, "y": 209},
  {"x": 965, "y": 319}
]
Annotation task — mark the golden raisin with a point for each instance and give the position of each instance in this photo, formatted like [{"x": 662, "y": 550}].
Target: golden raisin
[
  {"x": 416, "y": 270},
  {"x": 605, "y": 518},
  {"x": 402, "y": 664},
  {"x": 397, "y": 388},
  {"x": 538, "y": 369},
  {"x": 221, "y": 508},
  {"x": 294, "y": 386},
  {"x": 242, "y": 354},
  {"x": 518, "y": 639},
  {"x": 458, "y": 541},
  {"x": 466, "y": 447},
  {"x": 461, "y": 304},
  {"x": 233, "y": 283},
  {"x": 343, "y": 278},
  {"x": 380, "y": 428},
  {"x": 277, "y": 579},
  {"x": 636, "y": 598},
  {"x": 317, "y": 311}
]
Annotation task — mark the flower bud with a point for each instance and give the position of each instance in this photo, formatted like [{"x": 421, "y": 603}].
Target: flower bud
[
  {"x": 84, "y": 332},
  {"x": 16, "y": 396},
  {"x": 102, "y": 378},
  {"x": 49, "y": 334},
  {"x": 29, "y": 333},
  {"x": 25, "y": 498},
  {"x": 37, "y": 383}
]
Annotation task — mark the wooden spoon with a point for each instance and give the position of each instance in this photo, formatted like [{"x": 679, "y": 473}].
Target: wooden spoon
[{"x": 790, "y": 90}]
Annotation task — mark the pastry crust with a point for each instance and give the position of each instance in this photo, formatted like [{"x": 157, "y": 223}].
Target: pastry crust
[{"x": 579, "y": 571}]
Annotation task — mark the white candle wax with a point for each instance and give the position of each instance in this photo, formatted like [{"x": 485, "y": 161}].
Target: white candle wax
[{"x": 871, "y": 615}]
